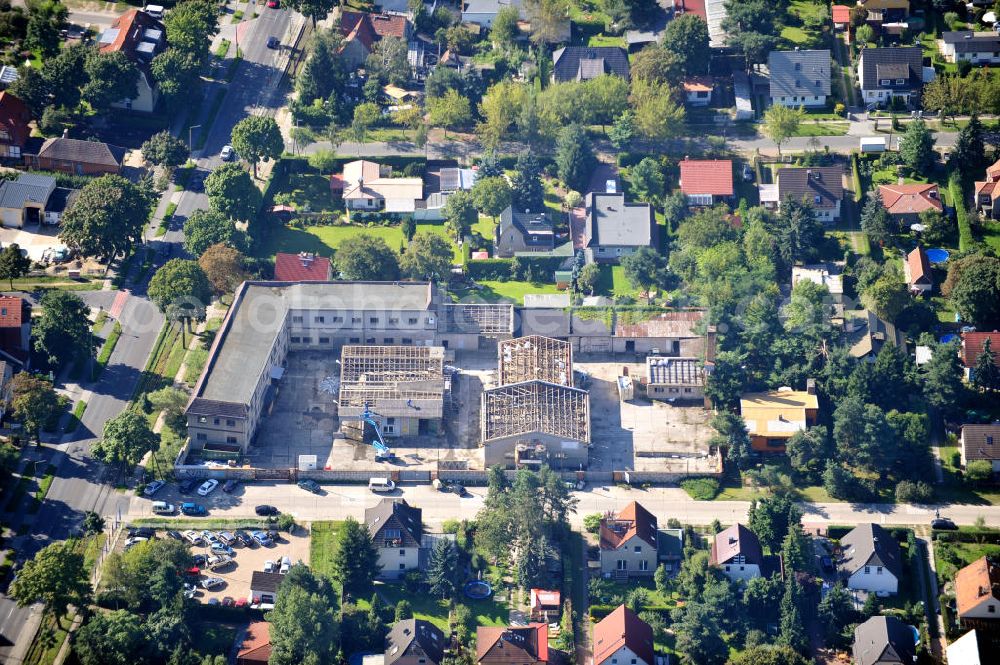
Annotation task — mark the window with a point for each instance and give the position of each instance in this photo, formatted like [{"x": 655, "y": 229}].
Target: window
[
  {"x": 393, "y": 320},
  {"x": 319, "y": 319},
  {"x": 407, "y": 340},
  {"x": 798, "y": 84},
  {"x": 742, "y": 568},
  {"x": 393, "y": 534},
  {"x": 727, "y": 569},
  {"x": 991, "y": 608},
  {"x": 687, "y": 390},
  {"x": 878, "y": 570},
  {"x": 402, "y": 566},
  {"x": 989, "y": 440},
  {"x": 370, "y": 340},
  {"x": 230, "y": 422},
  {"x": 638, "y": 549},
  {"x": 324, "y": 340},
  {"x": 885, "y": 82},
  {"x": 412, "y": 320},
  {"x": 643, "y": 565},
  {"x": 202, "y": 437},
  {"x": 307, "y": 340},
  {"x": 373, "y": 319},
  {"x": 868, "y": 570},
  {"x": 402, "y": 552},
  {"x": 355, "y": 340},
  {"x": 296, "y": 340},
  {"x": 338, "y": 319},
  {"x": 622, "y": 564},
  {"x": 230, "y": 439},
  {"x": 355, "y": 319},
  {"x": 388, "y": 340},
  {"x": 296, "y": 319},
  {"x": 215, "y": 421},
  {"x": 900, "y": 81}
]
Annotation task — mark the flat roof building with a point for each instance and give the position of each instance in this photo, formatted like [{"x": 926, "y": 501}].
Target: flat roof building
[
  {"x": 535, "y": 357},
  {"x": 675, "y": 378}
]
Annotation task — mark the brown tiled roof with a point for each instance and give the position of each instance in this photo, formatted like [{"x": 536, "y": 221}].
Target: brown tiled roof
[
  {"x": 910, "y": 198},
  {"x": 14, "y": 115},
  {"x": 972, "y": 346},
  {"x": 370, "y": 28},
  {"x": 919, "y": 266},
  {"x": 736, "y": 540},
  {"x": 981, "y": 442},
  {"x": 256, "y": 647},
  {"x": 130, "y": 26},
  {"x": 632, "y": 520},
  {"x": 394, "y": 514},
  {"x": 623, "y": 627},
  {"x": 979, "y": 579},
  {"x": 667, "y": 324},
  {"x": 88, "y": 152},
  {"x": 820, "y": 186},
  {"x": 698, "y": 84},
  {"x": 707, "y": 176},
  {"x": 514, "y": 645},
  {"x": 301, "y": 268}
]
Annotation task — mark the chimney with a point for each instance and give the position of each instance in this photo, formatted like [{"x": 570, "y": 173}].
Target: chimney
[
  {"x": 811, "y": 386},
  {"x": 65, "y": 133}
]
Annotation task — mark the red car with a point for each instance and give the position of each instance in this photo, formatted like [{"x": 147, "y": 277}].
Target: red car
[
  {"x": 193, "y": 571},
  {"x": 273, "y": 4}
]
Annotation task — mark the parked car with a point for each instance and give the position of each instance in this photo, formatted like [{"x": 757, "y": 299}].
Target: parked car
[
  {"x": 273, "y": 4},
  {"x": 193, "y": 571},
  {"x": 176, "y": 535},
  {"x": 212, "y": 582},
  {"x": 826, "y": 563},
  {"x": 190, "y": 590},
  {"x": 193, "y": 509},
  {"x": 309, "y": 485},
  {"x": 263, "y": 539},
  {"x": 265, "y": 510},
  {"x": 943, "y": 524},
  {"x": 228, "y": 601},
  {"x": 209, "y": 537},
  {"x": 142, "y": 532},
  {"x": 199, "y": 559},
  {"x": 227, "y": 154},
  {"x": 273, "y": 42},
  {"x": 132, "y": 542},
  {"x": 227, "y": 537},
  {"x": 219, "y": 548},
  {"x": 269, "y": 566},
  {"x": 219, "y": 561},
  {"x": 286, "y": 565},
  {"x": 153, "y": 487},
  {"x": 748, "y": 174},
  {"x": 214, "y": 602},
  {"x": 245, "y": 538},
  {"x": 163, "y": 508},
  {"x": 230, "y": 485},
  {"x": 192, "y": 537},
  {"x": 208, "y": 487}
]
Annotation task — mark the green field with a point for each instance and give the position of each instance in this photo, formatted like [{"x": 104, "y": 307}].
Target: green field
[
  {"x": 323, "y": 240},
  {"x": 322, "y": 541},
  {"x": 489, "y": 612}
]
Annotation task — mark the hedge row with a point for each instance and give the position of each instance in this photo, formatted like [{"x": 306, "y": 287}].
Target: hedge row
[
  {"x": 965, "y": 238},
  {"x": 598, "y": 612},
  {"x": 501, "y": 270},
  {"x": 968, "y": 535},
  {"x": 836, "y": 532}
]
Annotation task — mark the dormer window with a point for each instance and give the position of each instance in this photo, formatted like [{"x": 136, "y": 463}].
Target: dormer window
[
  {"x": 900, "y": 81},
  {"x": 885, "y": 82},
  {"x": 798, "y": 66}
]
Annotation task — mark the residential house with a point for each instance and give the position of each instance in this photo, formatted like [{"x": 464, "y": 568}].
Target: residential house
[
  {"x": 979, "y": 48},
  {"x": 867, "y": 333},
  {"x": 513, "y": 645},
  {"x": 917, "y": 271},
  {"x": 977, "y": 595},
  {"x": 23, "y": 201},
  {"x": 582, "y": 63},
  {"x": 706, "y": 182},
  {"x": 736, "y": 550},
  {"x": 905, "y": 202},
  {"x": 822, "y": 187},
  {"x": 15, "y": 330},
  {"x": 799, "y": 78},
  {"x": 522, "y": 232},
  {"x": 629, "y": 542},
  {"x": 14, "y": 130},
  {"x": 974, "y": 648},
  {"x": 773, "y": 417},
  {"x": 871, "y": 560},
  {"x": 622, "y": 638},
  {"x": 396, "y": 529},
  {"x": 884, "y": 640},
  {"x": 140, "y": 37},
  {"x": 360, "y": 31},
  {"x": 440, "y": 182},
  {"x": 59, "y": 202},
  {"x": 302, "y": 267},
  {"x": 483, "y": 12},
  {"x": 886, "y": 12},
  {"x": 698, "y": 90},
  {"x": 972, "y": 348},
  {"x": 545, "y": 605},
  {"x": 712, "y": 11},
  {"x": 6, "y": 395},
  {"x": 841, "y": 15},
  {"x": 981, "y": 442},
  {"x": 615, "y": 228},
  {"x": 988, "y": 191},
  {"x": 368, "y": 186},
  {"x": 415, "y": 642},
  {"x": 74, "y": 156},
  {"x": 255, "y": 644},
  {"x": 675, "y": 379},
  {"x": 264, "y": 587},
  {"x": 829, "y": 275},
  {"x": 671, "y": 549},
  {"x": 890, "y": 73}
]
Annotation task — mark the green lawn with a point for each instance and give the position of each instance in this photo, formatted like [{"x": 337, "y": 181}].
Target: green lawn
[
  {"x": 949, "y": 557},
  {"x": 795, "y": 35},
  {"x": 489, "y": 612},
  {"x": 620, "y": 286},
  {"x": 991, "y": 234},
  {"x": 323, "y": 240},
  {"x": 606, "y": 40},
  {"x": 497, "y": 291},
  {"x": 822, "y": 129},
  {"x": 308, "y": 192},
  {"x": 322, "y": 542}
]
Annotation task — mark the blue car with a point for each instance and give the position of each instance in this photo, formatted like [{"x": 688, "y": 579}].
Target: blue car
[
  {"x": 193, "y": 509},
  {"x": 219, "y": 548},
  {"x": 262, "y": 538}
]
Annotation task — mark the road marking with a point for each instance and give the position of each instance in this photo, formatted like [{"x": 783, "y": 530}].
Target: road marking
[{"x": 119, "y": 304}]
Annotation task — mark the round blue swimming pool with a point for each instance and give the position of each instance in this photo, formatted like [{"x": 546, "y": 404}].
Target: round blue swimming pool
[
  {"x": 478, "y": 589},
  {"x": 938, "y": 255},
  {"x": 950, "y": 337}
]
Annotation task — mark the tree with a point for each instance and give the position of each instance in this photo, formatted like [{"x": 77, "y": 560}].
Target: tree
[
  {"x": 798, "y": 232},
  {"x": 647, "y": 180},
  {"x": 589, "y": 277},
  {"x": 796, "y": 550},
  {"x": 205, "y": 228},
  {"x": 92, "y": 523},
  {"x": 865, "y": 34},
  {"x": 55, "y": 576},
  {"x": 986, "y": 374},
  {"x": 441, "y": 569},
  {"x": 111, "y": 77},
  {"x": 973, "y": 285},
  {"x": 943, "y": 386},
  {"x": 875, "y": 220},
  {"x": 574, "y": 157},
  {"x": 781, "y": 123},
  {"x": 389, "y": 61},
  {"x": 429, "y": 256},
  {"x": 887, "y": 297},
  {"x": 504, "y": 29},
  {"x": 164, "y": 149},
  {"x": 752, "y": 27},
  {"x": 223, "y": 266},
  {"x": 35, "y": 403},
  {"x": 459, "y": 213},
  {"x": 978, "y": 471},
  {"x": 257, "y": 138},
  {"x": 181, "y": 283},
  {"x": 658, "y": 65},
  {"x": 172, "y": 401},
  {"x": 191, "y": 26},
  {"x": 45, "y": 19},
  {"x": 687, "y": 37},
  {"x": 13, "y": 264},
  {"x": 917, "y": 147},
  {"x": 232, "y": 192},
  {"x": 623, "y": 130},
  {"x": 111, "y": 638},
  {"x": 355, "y": 559},
  {"x": 792, "y": 632},
  {"x": 176, "y": 73},
  {"x": 108, "y": 217},
  {"x": 969, "y": 154},
  {"x": 125, "y": 441},
  {"x": 303, "y": 623},
  {"x": 548, "y": 20},
  {"x": 449, "y": 111},
  {"x": 645, "y": 268},
  {"x": 62, "y": 332},
  {"x": 491, "y": 195},
  {"x": 768, "y": 654},
  {"x": 771, "y": 518},
  {"x": 658, "y": 116},
  {"x": 34, "y": 89},
  {"x": 527, "y": 191},
  {"x": 316, "y": 10},
  {"x": 367, "y": 258},
  {"x": 725, "y": 384},
  {"x": 66, "y": 74}
]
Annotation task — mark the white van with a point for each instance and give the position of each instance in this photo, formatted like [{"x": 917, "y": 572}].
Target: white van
[
  {"x": 156, "y": 11},
  {"x": 163, "y": 508},
  {"x": 381, "y": 485}
]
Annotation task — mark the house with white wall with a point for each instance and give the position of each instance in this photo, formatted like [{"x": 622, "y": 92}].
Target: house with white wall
[
  {"x": 396, "y": 530},
  {"x": 738, "y": 553},
  {"x": 871, "y": 560},
  {"x": 622, "y": 638}
]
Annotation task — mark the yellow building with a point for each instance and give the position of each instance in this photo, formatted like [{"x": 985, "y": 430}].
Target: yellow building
[{"x": 773, "y": 417}]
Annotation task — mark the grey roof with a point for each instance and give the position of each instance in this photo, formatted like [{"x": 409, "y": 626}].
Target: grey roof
[
  {"x": 14, "y": 195},
  {"x": 796, "y": 73},
  {"x": 547, "y": 322},
  {"x": 581, "y": 63},
  {"x": 911, "y": 57},
  {"x": 883, "y": 640},
  {"x": 676, "y": 371},
  {"x": 820, "y": 186},
  {"x": 415, "y": 637},
  {"x": 967, "y": 41},
  {"x": 395, "y": 514},
  {"x": 734, "y": 541},
  {"x": 525, "y": 222},
  {"x": 870, "y": 545},
  {"x": 210, "y": 407},
  {"x": 613, "y": 222},
  {"x": 488, "y": 6},
  {"x": 89, "y": 152},
  {"x": 453, "y": 179},
  {"x": 61, "y": 199},
  {"x": 670, "y": 543},
  {"x": 266, "y": 582},
  {"x": 872, "y": 333}
]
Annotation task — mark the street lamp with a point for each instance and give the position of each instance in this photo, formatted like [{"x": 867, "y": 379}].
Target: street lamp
[{"x": 190, "y": 142}]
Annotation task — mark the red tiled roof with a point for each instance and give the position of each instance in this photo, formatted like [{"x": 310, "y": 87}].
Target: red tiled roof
[
  {"x": 698, "y": 84},
  {"x": 369, "y": 28},
  {"x": 979, "y": 579},
  {"x": 707, "y": 176},
  {"x": 13, "y": 311},
  {"x": 256, "y": 647},
  {"x": 993, "y": 171},
  {"x": 841, "y": 14},
  {"x": 522, "y": 643},
  {"x": 638, "y": 522},
  {"x": 919, "y": 265},
  {"x": 691, "y": 7},
  {"x": 14, "y": 116},
  {"x": 911, "y": 198},
  {"x": 130, "y": 26},
  {"x": 987, "y": 187},
  {"x": 972, "y": 346},
  {"x": 623, "y": 627},
  {"x": 543, "y": 597},
  {"x": 301, "y": 268}
]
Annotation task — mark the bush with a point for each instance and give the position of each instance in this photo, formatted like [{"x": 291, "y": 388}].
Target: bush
[
  {"x": 955, "y": 459},
  {"x": 490, "y": 269},
  {"x": 285, "y": 522},
  {"x": 451, "y": 526},
  {"x": 965, "y": 238},
  {"x": 908, "y": 491},
  {"x": 592, "y": 523},
  {"x": 701, "y": 489}
]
